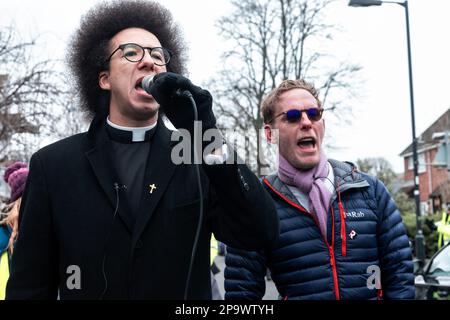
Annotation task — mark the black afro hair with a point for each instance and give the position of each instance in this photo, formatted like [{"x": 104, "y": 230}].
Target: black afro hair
[{"x": 88, "y": 49}]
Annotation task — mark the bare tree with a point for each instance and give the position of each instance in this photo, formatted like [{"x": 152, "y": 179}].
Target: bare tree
[
  {"x": 271, "y": 41},
  {"x": 379, "y": 167},
  {"x": 33, "y": 96},
  {"x": 70, "y": 119}
]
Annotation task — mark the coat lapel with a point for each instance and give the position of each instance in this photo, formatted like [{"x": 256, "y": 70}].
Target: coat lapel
[
  {"x": 100, "y": 159},
  {"x": 159, "y": 170}
]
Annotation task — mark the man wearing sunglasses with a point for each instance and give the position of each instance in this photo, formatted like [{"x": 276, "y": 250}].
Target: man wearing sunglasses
[
  {"x": 108, "y": 214},
  {"x": 341, "y": 235}
]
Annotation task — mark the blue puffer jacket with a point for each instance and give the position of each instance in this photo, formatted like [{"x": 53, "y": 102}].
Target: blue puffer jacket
[{"x": 366, "y": 240}]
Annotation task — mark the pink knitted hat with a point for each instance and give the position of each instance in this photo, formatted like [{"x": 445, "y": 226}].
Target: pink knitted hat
[{"x": 16, "y": 176}]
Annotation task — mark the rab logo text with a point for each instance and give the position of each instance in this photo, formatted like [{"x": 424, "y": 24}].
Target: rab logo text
[{"x": 354, "y": 214}]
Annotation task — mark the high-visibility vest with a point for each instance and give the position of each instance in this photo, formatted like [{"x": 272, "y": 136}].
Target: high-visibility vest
[
  {"x": 214, "y": 245},
  {"x": 444, "y": 229},
  {"x": 4, "y": 273}
]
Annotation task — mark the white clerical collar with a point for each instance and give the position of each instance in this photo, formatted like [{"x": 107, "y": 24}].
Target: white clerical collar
[{"x": 138, "y": 132}]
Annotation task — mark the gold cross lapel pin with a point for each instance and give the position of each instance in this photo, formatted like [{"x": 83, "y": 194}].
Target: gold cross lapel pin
[{"x": 152, "y": 187}]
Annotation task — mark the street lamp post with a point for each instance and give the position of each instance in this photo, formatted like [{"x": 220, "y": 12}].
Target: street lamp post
[{"x": 419, "y": 246}]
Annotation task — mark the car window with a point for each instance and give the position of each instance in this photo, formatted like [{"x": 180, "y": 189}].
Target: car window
[{"x": 441, "y": 263}]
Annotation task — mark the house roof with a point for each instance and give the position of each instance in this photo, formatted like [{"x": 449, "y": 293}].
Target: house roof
[{"x": 425, "y": 139}]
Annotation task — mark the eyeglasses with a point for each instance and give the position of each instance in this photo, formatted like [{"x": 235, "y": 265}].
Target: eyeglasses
[
  {"x": 135, "y": 53},
  {"x": 294, "y": 115}
]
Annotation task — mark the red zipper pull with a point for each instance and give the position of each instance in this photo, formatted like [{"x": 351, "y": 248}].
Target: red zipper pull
[{"x": 343, "y": 230}]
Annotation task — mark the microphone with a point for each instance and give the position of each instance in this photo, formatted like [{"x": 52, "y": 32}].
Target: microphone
[
  {"x": 118, "y": 187},
  {"x": 147, "y": 83}
]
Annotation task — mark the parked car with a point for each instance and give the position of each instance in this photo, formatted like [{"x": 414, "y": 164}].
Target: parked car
[{"x": 433, "y": 281}]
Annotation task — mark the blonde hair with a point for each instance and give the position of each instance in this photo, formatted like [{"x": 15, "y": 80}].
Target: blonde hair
[{"x": 268, "y": 104}]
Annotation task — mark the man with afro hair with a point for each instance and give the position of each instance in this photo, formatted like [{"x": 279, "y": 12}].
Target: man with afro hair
[{"x": 108, "y": 214}]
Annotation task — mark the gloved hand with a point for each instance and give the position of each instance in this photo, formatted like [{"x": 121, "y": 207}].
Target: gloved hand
[
  {"x": 177, "y": 107},
  {"x": 430, "y": 224}
]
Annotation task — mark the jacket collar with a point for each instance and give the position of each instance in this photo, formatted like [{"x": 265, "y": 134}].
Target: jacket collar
[
  {"x": 129, "y": 137},
  {"x": 346, "y": 176}
]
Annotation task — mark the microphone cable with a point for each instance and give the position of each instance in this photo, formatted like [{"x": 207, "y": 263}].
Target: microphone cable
[
  {"x": 187, "y": 94},
  {"x": 146, "y": 84},
  {"x": 116, "y": 188}
]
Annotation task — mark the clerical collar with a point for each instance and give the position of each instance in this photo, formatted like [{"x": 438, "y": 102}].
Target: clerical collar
[{"x": 130, "y": 134}]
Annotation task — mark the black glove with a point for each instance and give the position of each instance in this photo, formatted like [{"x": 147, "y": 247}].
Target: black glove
[
  {"x": 430, "y": 224},
  {"x": 177, "y": 107}
]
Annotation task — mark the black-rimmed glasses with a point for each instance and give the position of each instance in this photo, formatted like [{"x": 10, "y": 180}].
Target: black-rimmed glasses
[
  {"x": 135, "y": 53},
  {"x": 295, "y": 115}
]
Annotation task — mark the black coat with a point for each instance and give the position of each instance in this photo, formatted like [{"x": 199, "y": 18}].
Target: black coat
[{"x": 67, "y": 219}]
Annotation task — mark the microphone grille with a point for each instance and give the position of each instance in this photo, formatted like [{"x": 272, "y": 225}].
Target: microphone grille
[{"x": 147, "y": 82}]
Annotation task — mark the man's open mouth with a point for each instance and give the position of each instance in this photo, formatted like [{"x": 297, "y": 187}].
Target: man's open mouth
[
  {"x": 138, "y": 85},
  {"x": 306, "y": 143}
]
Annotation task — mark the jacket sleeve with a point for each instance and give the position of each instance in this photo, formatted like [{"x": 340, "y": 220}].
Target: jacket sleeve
[
  {"x": 244, "y": 275},
  {"x": 397, "y": 278},
  {"x": 34, "y": 272},
  {"x": 242, "y": 212},
  {"x": 444, "y": 229}
]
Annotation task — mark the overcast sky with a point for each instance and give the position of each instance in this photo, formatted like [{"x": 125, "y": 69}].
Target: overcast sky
[{"x": 373, "y": 37}]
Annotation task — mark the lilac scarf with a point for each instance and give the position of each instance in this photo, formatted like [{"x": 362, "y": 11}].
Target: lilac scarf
[{"x": 308, "y": 183}]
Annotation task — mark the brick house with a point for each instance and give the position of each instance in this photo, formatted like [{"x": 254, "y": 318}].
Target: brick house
[{"x": 434, "y": 180}]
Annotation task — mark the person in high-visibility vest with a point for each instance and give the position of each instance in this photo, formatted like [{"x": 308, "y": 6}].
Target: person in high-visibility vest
[{"x": 443, "y": 227}]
